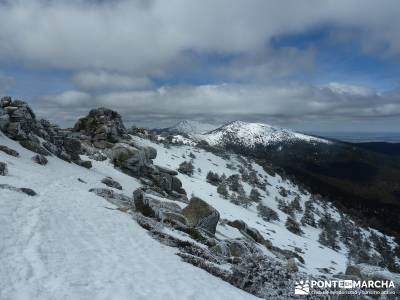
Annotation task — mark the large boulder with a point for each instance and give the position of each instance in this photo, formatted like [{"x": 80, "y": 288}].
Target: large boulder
[
  {"x": 40, "y": 159},
  {"x": 200, "y": 214},
  {"x": 103, "y": 126},
  {"x": 149, "y": 206},
  {"x": 247, "y": 231}
]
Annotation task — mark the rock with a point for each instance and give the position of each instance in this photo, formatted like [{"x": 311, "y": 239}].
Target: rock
[
  {"x": 5, "y": 101},
  {"x": 234, "y": 248},
  {"x": 34, "y": 147},
  {"x": 4, "y": 120},
  {"x": 108, "y": 181},
  {"x": 85, "y": 163},
  {"x": 27, "y": 191},
  {"x": 151, "y": 152},
  {"x": 103, "y": 126},
  {"x": 247, "y": 231},
  {"x": 291, "y": 265},
  {"x": 113, "y": 197},
  {"x": 40, "y": 159},
  {"x": 199, "y": 213},
  {"x": 9, "y": 151},
  {"x": 73, "y": 148},
  {"x": 154, "y": 208},
  {"x": 369, "y": 272},
  {"x": 3, "y": 169},
  {"x": 167, "y": 171}
]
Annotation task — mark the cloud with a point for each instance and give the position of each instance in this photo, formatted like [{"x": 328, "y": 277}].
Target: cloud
[
  {"x": 294, "y": 101},
  {"x": 6, "y": 82},
  {"x": 150, "y": 38},
  {"x": 94, "y": 81}
]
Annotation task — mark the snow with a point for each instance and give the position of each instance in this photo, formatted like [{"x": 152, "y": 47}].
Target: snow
[
  {"x": 64, "y": 244},
  {"x": 251, "y": 134},
  {"x": 316, "y": 256},
  {"x": 192, "y": 127}
]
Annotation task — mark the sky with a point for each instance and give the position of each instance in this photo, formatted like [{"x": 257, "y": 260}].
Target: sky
[{"x": 309, "y": 65}]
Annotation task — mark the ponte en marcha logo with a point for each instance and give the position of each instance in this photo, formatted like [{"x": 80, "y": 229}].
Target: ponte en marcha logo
[{"x": 306, "y": 287}]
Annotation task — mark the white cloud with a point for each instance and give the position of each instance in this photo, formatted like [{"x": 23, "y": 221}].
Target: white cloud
[
  {"x": 242, "y": 101},
  {"x": 102, "y": 80},
  {"x": 149, "y": 38}
]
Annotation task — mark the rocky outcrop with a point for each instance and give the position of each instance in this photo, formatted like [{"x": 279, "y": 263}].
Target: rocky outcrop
[
  {"x": 138, "y": 162},
  {"x": 3, "y": 169},
  {"x": 103, "y": 127},
  {"x": 18, "y": 122},
  {"x": 149, "y": 206},
  {"x": 249, "y": 232},
  {"x": 200, "y": 214}
]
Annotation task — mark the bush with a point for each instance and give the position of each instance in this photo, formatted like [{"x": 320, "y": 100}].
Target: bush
[
  {"x": 186, "y": 167},
  {"x": 267, "y": 213},
  {"x": 213, "y": 178}
]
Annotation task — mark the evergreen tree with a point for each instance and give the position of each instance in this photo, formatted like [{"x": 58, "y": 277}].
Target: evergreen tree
[
  {"x": 213, "y": 178},
  {"x": 328, "y": 235},
  {"x": 267, "y": 213},
  {"x": 292, "y": 225},
  {"x": 223, "y": 190},
  {"x": 255, "y": 195},
  {"x": 308, "y": 216},
  {"x": 233, "y": 182},
  {"x": 186, "y": 167},
  {"x": 295, "y": 204}
]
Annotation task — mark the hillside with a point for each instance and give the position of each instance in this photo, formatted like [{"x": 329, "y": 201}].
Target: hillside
[{"x": 94, "y": 212}]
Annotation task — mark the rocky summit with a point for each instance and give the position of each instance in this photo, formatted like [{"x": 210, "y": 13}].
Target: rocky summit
[{"x": 102, "y": 127}]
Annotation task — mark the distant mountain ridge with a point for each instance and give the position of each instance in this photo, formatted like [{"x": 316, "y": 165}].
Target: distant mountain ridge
[
  {"x": 191, "y": 127},
  {"x": 253, "y": 134}
]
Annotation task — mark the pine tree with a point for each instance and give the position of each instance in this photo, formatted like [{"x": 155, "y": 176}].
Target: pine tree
[
  {"x": 292, "y": 225},
  {"x": 328, "y": 235},
  {"x": 186, "y": 167},
  {"x": 267, "y": 213},
  {"x": 255, "y": 195},
  {"x": 233, "y": 182},
  {"x": 223, "y": 190},
  {"x": 295, "y": 204},
  {"x": 213, "y": 178},
  {"x": 308, "y": 216}
]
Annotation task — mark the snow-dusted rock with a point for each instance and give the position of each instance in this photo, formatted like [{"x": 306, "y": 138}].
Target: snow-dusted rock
[
  {"x": 40, "y": 159},
  {"x": 199, "y": 213},
  {"x": 9, "y": 151},
  {"x": 108, "y": 181}
]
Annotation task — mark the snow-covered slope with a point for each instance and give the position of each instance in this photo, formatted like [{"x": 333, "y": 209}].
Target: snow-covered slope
[
  {"x": 316, "y": 256},
  {"x": 192, "y": 127},
  {"x": 251, "y": 134},
  {"x": 65, "y": 244}
]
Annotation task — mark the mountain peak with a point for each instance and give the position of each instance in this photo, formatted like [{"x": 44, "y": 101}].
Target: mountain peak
[{"x": 252, "y": 134}]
